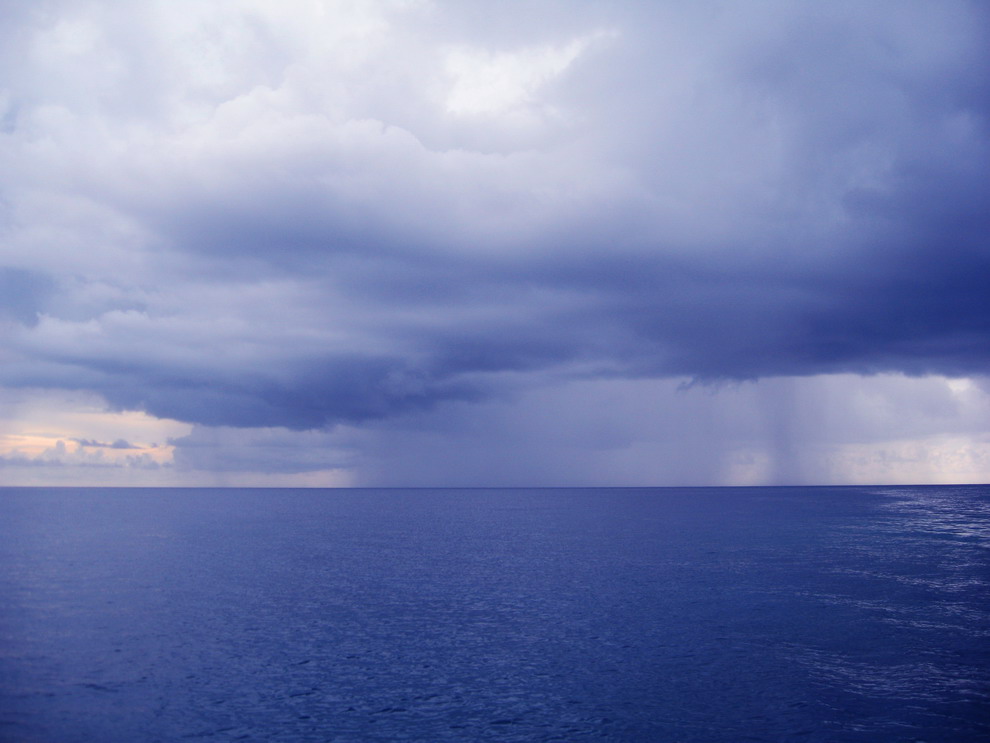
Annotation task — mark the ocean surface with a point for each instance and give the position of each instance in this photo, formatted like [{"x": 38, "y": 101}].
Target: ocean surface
[{"x": 723, "y": 614}]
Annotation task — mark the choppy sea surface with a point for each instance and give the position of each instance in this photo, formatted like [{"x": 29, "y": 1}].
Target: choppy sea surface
[{"x": 723, "y": 614}]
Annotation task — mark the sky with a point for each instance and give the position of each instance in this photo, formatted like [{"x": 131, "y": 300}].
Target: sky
[{"x": 460, "y": 243}]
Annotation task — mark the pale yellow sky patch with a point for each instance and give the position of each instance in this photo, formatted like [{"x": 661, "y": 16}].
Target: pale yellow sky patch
[
  {"x": 50, "y": 414},
  {"x": 74, "y": 432},
  {"x": 941, "y": 460},
  {"x": 328, "y": 478}
]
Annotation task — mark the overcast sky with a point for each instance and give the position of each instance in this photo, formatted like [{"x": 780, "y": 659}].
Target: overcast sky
[{"x": 549, "y": 242}]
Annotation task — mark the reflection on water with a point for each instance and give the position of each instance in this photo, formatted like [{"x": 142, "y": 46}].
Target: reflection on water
[
  {"x": 961, "y": 513},
  {"x": 805, "y": 614}
]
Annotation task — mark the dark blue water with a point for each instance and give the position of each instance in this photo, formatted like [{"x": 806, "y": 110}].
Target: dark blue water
[{"x": 780, "y": 614}]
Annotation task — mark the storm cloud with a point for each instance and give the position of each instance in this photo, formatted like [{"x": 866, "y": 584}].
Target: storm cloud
[{"x": 296, "y": 216}]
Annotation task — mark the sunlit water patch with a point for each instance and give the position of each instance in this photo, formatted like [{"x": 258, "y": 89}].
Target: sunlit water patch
[{"x": 773, "y": 614}]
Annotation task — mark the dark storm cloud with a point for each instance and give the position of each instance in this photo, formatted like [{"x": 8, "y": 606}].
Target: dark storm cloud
[
  {"x": 250, "y": 226},
  {"x": 23, "y": 294}
]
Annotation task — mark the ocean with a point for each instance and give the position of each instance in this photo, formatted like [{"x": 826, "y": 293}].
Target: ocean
[{"x": 598, "y": 614}]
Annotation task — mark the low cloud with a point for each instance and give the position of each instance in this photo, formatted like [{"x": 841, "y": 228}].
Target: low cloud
[
  {"x": 118, "y": 444},
  {"x": 60, "y": 455}
]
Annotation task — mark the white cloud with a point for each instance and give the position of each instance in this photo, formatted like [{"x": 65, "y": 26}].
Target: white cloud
[{"x": 488, "y": 82}]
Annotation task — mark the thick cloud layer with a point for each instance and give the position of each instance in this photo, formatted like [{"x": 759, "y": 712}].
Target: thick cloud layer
[{"x": 296, "y": 215}]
